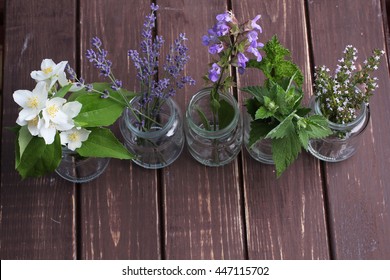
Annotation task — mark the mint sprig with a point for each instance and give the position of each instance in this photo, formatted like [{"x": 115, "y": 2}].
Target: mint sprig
[{"x": 276, "y": 108}]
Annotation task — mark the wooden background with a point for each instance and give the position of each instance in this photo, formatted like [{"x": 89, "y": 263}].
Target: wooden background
[{"x": 188, "y": 211}]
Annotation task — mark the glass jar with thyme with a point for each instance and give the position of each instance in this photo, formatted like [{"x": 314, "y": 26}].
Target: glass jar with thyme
[{"x": 343, "y": 100}]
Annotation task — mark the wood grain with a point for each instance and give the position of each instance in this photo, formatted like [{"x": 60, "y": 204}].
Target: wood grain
[
  {"x": 119, "y": 211},
  {"x": 358, "y": 188},
  {"x": 37, "y": 216},
  {"x": 285, "y": 217},
  {"x": 202, "y": 213}
]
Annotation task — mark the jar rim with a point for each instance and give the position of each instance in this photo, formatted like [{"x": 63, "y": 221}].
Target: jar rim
[
  {"x": 212, "y": 133},
  {"x": 173, "y": 108}
]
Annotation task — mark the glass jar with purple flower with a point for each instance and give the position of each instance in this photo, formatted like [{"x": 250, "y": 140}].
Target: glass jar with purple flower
[
  {"x": 213, "y": 123},
  {"x": 152, "y": 124}
]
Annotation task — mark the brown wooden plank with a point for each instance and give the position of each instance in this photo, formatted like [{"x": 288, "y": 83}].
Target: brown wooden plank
[
  {"x": 358, "y": 189},
  {"x": 119, "y": 210},
  {"x": 37, "y": 218},
  {"x": 202, "y": 215},
  {"x": 285, "y": 217}
]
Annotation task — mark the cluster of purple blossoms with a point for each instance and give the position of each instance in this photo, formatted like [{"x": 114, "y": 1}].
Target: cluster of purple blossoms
[
  {"x": 233, "y": 40},
  {"x": 98, "y": 56},
  {"x": 147, "y": 64}
]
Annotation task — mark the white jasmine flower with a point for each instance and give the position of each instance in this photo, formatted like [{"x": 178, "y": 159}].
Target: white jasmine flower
[
  {"x": 31, "y": 102},
  {"x": 51, "y": 73},
  {"x": 58, "y": 116},
  {"x": 74, "y": 137}
]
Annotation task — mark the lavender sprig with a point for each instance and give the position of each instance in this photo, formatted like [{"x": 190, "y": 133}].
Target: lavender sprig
[{"x": 154, "y": 93}]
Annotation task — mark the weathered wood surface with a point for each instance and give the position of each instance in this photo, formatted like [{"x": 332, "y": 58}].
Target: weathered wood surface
[
  {"x": 358, "y": 188},
  {"x": 37, "y": 216},
  {"x": 119, "y": 211},
  {"x": 285, "y": 218},
  {"x": 202, "y": 213},
  {"x": 188, "y": 211}
]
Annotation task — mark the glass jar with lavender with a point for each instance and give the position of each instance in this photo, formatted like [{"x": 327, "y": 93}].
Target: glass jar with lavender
[{"x": 157, "y": 138}]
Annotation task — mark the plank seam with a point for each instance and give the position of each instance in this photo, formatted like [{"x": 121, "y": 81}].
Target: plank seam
[{"x": 322, "y": 164}]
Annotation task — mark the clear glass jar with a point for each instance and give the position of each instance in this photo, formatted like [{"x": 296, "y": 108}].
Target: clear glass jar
[
  {"x": 212, "y": 147},
  {"x": 262, "y": 149},
  {"x": 78, "y": 169},
  {"x": 346, "y": 137},
  {"x": 162, "y": 143}
]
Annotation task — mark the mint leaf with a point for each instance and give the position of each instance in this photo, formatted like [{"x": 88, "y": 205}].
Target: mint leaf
[
  {"x": 263, "y": 113},
  {"x": 257, "y": 92},
  {"x": 102, "y": 143},
  {"x": 259, "y": 129},
  {"x": 283, "y": 129},
  {"x": 251, "y": 106},
  {"x": 284, "y": 151}
]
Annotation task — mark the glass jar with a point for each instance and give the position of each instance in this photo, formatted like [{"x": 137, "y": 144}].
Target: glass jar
[
  {"x": 213, "y": 147},
  {"x": 345, "y": 139},
  {"x": 162, "y": 143},
  {"x": 78, "y": 169},
  {"x": 262, "y": 149}
]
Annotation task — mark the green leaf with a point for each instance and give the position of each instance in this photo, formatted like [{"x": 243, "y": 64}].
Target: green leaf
[
  {"x": 259, "y": 129},
  {"x": 263, "y": 113},
  {"x": 284, "y": 151},
  {"x": 97, "y": 111},
  {"x": 102, "y": 143},
  {"x": 203, "y": 118},
  {"x": 225, "y": 114},
  {"x": 283, "y": 129},
  {"x": 257, "y": 91},
  {"x": 64, "y": 90},
  {"x": 252, "y": 105},
  {"x": 38, "y": 158}
]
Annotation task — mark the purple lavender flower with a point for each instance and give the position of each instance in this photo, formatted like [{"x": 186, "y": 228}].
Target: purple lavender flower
[
  {"x": 96, "y": 42},
  {"x": 89, "y": 87},
  {"x": 214, "y": 72},
  {"x": 147, "y": 63}
]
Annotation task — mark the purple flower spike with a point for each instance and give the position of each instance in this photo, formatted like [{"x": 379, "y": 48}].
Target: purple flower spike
[
  {"x": 96, "y": 42},
  {"x": 214, "y": 72},
  {"x": 216, "y": 48},
  {"x": 154, "y": 7},
  {"x": 225, "y": 17},
  {"x": 255, "y": 25}
]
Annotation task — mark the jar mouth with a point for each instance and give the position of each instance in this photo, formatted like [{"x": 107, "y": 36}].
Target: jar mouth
[
  {"x": 364, "y": 113},
  {"x": 167, "y": 113},
  {"x": 205, "y": 93}
]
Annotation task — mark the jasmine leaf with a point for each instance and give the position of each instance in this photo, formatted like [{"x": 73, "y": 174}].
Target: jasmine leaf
[
  {"x": 97, "y": 111},
  {"x": 38, "y": 158},
  {"x": 102, "y": 143},
  {"x": 64, "y": 90}
]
